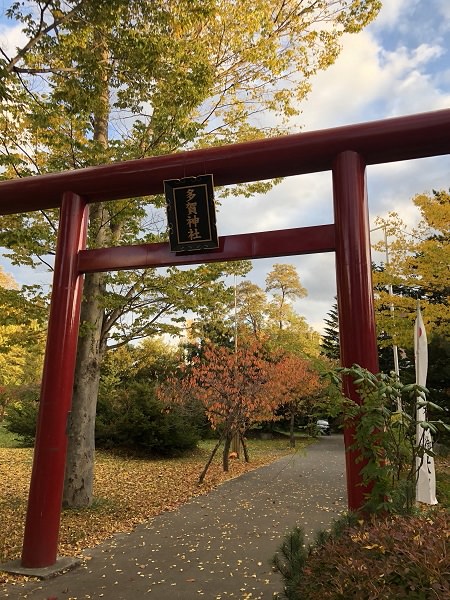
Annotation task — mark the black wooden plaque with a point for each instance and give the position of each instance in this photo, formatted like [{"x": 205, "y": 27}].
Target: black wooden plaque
[{"x": 191, "y": 213}]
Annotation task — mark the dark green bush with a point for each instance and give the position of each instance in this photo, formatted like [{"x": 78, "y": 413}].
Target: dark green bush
[
  {"x": 131, "y": 418},
  {"x": 134, "y": 419},
  {"x": 21, "y": 416},
  {"x": 387, "y": 558},
  {"x": 290, "y": 561}
]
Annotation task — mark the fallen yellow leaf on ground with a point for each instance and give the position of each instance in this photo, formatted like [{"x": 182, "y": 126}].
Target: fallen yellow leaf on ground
[{"x": 127, "y": 490}]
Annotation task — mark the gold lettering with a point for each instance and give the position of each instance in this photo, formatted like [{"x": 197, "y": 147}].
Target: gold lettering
[
  {"x": 190, "y": 194},
  {"x": 194, "y": 234}
]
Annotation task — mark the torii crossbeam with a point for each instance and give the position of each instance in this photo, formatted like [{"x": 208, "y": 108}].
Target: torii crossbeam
[{"x": 345, "y": 151}]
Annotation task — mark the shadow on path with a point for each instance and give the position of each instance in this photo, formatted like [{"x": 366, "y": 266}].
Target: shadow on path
[{"x": 216, "y": 546}]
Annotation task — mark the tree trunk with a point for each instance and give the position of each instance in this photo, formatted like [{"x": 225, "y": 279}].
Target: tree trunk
[
  {"x": 79, "y": 478},
  {"x": 226, "y": 452},
  {"x": 210, "y": 459},
  {"x": 79, "y": 475},
  {"x": 291, "y": 430},
  {"x": 244, "y": 446},
  {"x": 236, "y": 444}
]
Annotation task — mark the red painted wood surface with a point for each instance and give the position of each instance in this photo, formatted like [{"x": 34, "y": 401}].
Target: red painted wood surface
[
  {"x": 401, "y": 138},
  {"x": 47, "y": 479},
  {"x": 285, "y": 242},
  {"x": 358, "y": 342},
  {"x": 344, "y": 150}
]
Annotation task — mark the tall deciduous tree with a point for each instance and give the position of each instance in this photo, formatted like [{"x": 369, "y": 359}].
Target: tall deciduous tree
[
  {"x": 285, "y": 328},
  {"x": 418, "y": 270},
  {"x": 299, "y": 384},
  {"x": 284, "y": 284},
  {"x": 258, "y": 313},
  {"x": 96, "y": 82},
  {"x": 236, "y": 389},
  {"x": 252, "y": 307}
]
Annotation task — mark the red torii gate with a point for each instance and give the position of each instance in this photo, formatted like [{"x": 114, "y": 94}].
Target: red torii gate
[{"x": 345, "y": 151}]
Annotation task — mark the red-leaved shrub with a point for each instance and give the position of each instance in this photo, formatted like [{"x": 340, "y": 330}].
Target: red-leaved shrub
[{"x": 383, "y": 559}]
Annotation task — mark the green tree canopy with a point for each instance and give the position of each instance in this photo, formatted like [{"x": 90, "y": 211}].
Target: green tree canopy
[
  {"x": 418, "y": 270},
  {"x": 98, "y": 82},
  {"x": 284, "y": 284}
]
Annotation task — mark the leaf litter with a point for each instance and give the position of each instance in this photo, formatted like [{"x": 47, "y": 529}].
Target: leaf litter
[{"x": 127, "y": 491}]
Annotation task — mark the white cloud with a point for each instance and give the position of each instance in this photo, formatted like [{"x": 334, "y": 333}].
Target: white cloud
[
  {"x": 443, "y": 10},
  {"x": 351, "y": 83},
  {"x": 392, "y": 13},
  {"x": 11, "y": 38},
  {"x": 297, "y": 202},
  {"x": 368, "y": 82},
  {"x": 391, "y": 187},
  {"x": 396, "y": 66}
]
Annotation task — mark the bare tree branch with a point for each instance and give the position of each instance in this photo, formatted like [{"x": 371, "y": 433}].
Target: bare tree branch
[
  {"x": 41, "y": 33},
  {"x": 42, "y": 71}
]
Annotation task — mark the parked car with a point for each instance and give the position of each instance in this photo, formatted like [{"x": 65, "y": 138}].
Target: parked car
[{"x": 324, "y": 427}]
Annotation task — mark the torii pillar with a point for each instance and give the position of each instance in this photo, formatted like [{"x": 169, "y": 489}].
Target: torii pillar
[{"x": 358, "y": 340}]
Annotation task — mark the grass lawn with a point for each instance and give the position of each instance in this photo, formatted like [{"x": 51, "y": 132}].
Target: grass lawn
[{"x": 127, "y": 491}]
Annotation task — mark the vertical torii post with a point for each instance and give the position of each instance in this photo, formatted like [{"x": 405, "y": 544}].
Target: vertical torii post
[
  {"x": 358, "y": 340},
  {"x": 47, "y": 478},
  {"x": 345, "y": 149}
]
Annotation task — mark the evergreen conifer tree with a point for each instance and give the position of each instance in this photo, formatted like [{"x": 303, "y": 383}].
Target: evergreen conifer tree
[{"x": 330, "y": 339}]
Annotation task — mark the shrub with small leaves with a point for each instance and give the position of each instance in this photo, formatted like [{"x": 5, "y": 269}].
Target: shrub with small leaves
[
  {"x": 385, "y": 425},
  {"x": 135, "y": 419},
  {"x": 21, "y": 417},
  {"x": 382, "y": 559},
  {"x": 379, "y": 559}
]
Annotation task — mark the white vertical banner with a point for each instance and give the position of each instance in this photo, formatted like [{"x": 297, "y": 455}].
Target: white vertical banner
[{"x": 426, "y": 481}]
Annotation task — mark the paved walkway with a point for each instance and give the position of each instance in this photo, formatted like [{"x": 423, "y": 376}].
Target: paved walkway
[{"x": 216, "y": 546}]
